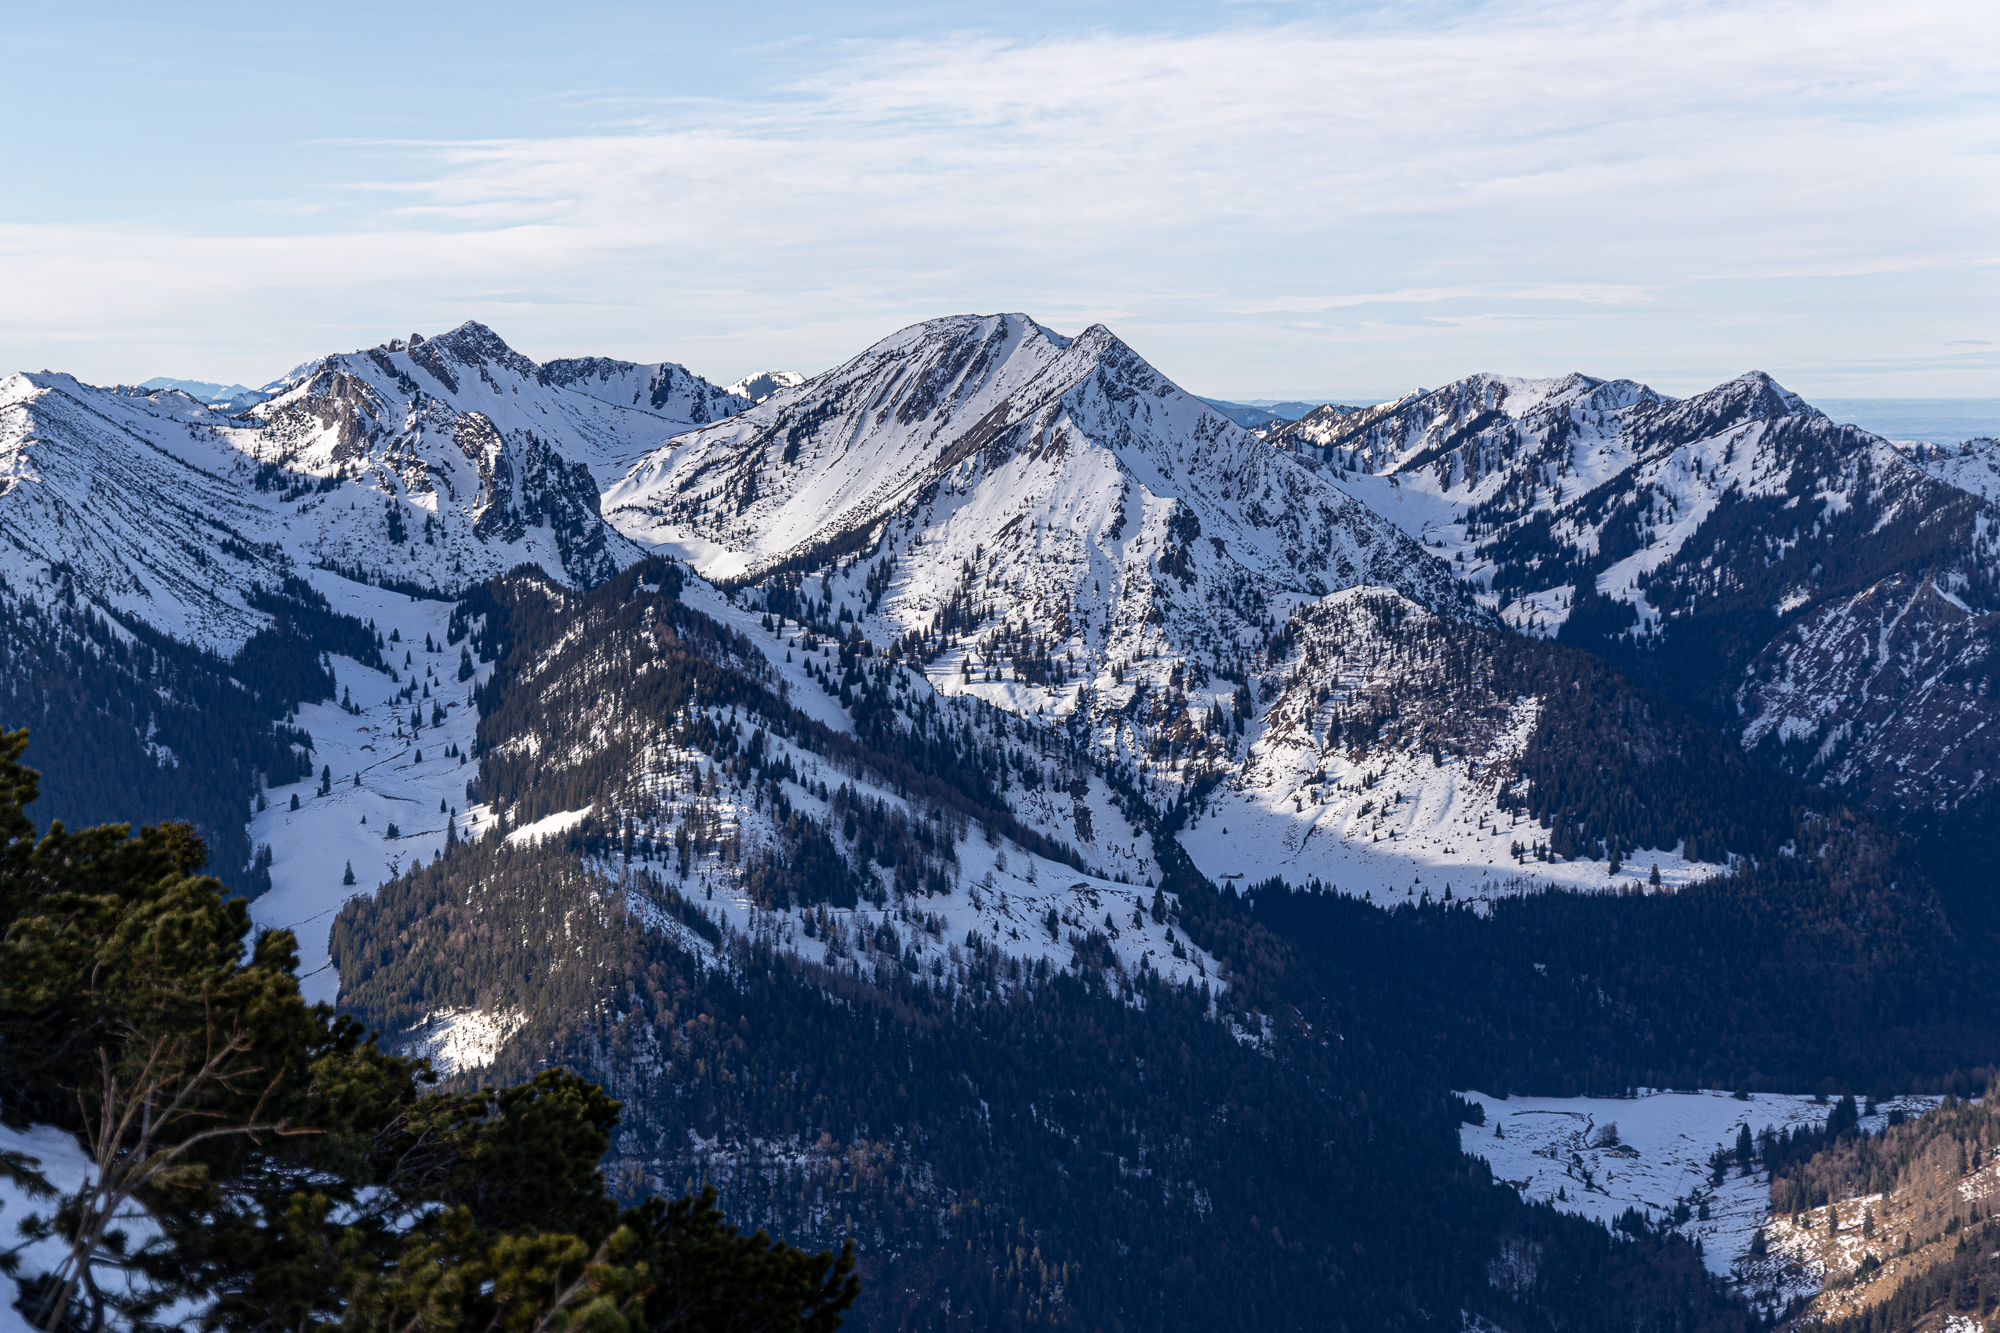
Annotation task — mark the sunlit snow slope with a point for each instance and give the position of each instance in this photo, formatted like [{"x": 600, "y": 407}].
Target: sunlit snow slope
[
  {"x": 1598, "y": 1156},
  {"x": 383, "y": 773},
  {"x": 1737, "y": 549},
  {"x": 436, "y": 463},
  {"x": 1047, "y": 524}
]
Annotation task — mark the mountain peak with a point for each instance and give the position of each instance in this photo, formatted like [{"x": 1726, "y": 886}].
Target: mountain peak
[
  {"x": 987, "y": 437},
  {"x": 1758, "y": 385},
  {"x": 473, "y": 344},
  {"x": 1751, "y": 396},
  {"x": 762, "y": 385}
]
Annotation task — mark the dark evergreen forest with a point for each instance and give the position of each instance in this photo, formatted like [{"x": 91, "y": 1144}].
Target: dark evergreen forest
[
  {"x": 1012, "y": 1148},
  {"x": 1082, "y": 1146},
  {"x": 132, "y": 726}
]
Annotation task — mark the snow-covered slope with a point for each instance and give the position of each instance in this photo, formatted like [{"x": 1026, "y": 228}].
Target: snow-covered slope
[
  {"x": 398, "y": 760},
  {"x": 1598, "y": 1156},
  {"x": 975, "y": 434},
  {"x": 434, "y": 463},
  {"x": 1050, "y": 526},
  {"x": 1727, "y": 548},
  {"x": 761, "y": 386},
  {"x": 1050, "y": 523},
  {"x": 1388, "y": 766},
  {"x": 668, "y": 742},
  {"x": 1971, "y": 465},
  {"x": 133, "y": 503},
  {"x": 1884, "y": 693}
]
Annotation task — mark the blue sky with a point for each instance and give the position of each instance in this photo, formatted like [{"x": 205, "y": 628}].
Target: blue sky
[{"x": 1265, "y": 200}]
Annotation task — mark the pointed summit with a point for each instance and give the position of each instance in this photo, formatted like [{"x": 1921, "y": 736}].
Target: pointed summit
[{"x": 989, "y": 473}]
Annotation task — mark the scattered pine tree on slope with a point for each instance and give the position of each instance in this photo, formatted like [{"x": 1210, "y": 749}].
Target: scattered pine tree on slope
[{"x": 1919, "y": 1197}]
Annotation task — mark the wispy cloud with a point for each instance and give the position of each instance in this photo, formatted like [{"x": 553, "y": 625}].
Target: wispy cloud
[{"x": 1535, "y": 174}]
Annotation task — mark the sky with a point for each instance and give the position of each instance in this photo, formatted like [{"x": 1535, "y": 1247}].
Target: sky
[{"x": 1297, "y": 200}]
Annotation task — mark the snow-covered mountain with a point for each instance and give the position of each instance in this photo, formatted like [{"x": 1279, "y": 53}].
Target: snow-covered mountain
[
  {"x": 1049, "y": 528},
  {"x": 1033, "y": 561},
  {"x": 1971, "y": 465},
  {"x": 906, "y": 701},
  {"x": 761, "y": 386},
  {"x": 190, "y": 595},
  {"x": 433, "y": 463},
  {"x": 1727, "y": 548},
  {"x": 1046, "y": 523},
  {"x": 132, "y": 503},
  {"x": 234, "y": 397}
]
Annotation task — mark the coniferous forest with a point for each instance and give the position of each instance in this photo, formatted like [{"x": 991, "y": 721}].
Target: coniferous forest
[{"x": 999, "y": 1146}]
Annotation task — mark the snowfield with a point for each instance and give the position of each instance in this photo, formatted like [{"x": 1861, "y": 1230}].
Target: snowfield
[
  {"x": 313, "y": 846},
  {"x": 1381, "y": 816},
  {"x": 1550, "y": 1149},
  {"x": 1396, "y": 827}
]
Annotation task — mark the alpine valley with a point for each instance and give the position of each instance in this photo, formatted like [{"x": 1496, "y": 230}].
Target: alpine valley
[{"x": 983, "y": 802}]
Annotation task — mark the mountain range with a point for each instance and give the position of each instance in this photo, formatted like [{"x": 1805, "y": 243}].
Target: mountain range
[{"x": 1562, "y": 730}]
